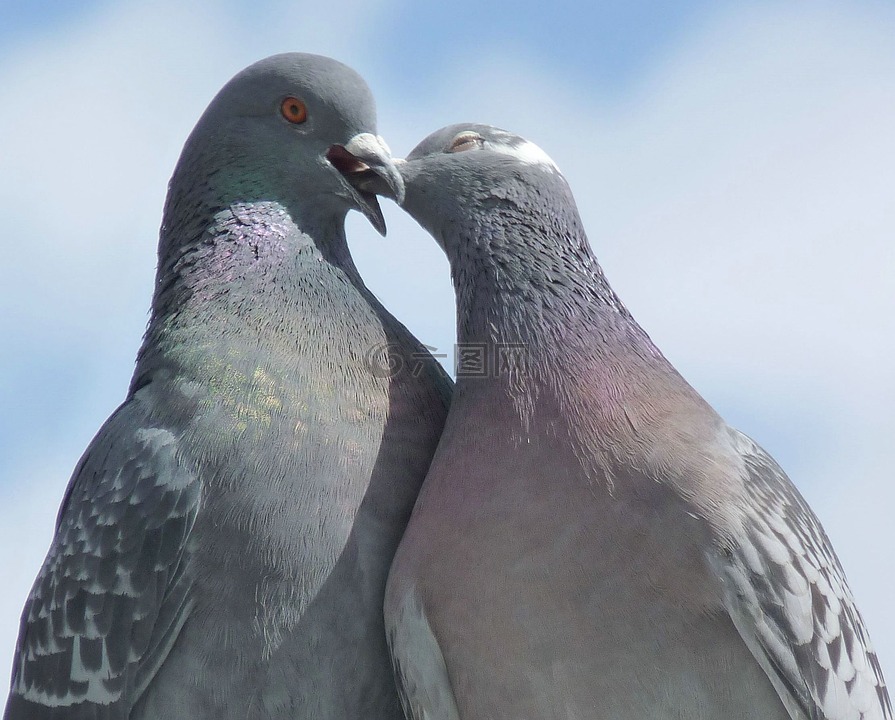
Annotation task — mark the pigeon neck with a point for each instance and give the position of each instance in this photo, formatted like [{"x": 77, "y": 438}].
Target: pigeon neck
[
  {"x": 546, "y": 330},
  {"x": 254, "y": 242},
  {"x": 560, "y": 350},
  {"x": 524, "y": 278},
  {"x": 536, "y": 307},
  {"x": 243, "y": 269},
  {"x": 198, "y": 198}
]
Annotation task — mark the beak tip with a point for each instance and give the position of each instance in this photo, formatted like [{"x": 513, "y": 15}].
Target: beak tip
[{"x": 366, "y": 163}]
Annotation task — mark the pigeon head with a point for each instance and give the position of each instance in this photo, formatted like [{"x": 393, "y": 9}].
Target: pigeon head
[
  {"x": 487, "y": 195},
  {"x": 290, "y": 129},
  {"x": 502, "y": 212}
]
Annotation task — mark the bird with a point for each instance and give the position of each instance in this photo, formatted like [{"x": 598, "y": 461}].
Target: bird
[
  {"x": 223, "y": 545},
  {"x": 592, "y": 540}
]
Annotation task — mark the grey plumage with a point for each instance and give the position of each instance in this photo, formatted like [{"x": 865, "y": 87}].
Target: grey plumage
[
  {"x": 223, "y": 545},
  {"x": 592, "y": 540}
]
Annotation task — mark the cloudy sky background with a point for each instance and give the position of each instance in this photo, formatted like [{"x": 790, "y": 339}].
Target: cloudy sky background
[{"x": 734, "y": 164}]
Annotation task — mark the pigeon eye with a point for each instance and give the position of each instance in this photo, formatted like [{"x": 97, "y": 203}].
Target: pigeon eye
[
  {"x": 294, "y": 110},
  {"x": 466, "y": 141}
]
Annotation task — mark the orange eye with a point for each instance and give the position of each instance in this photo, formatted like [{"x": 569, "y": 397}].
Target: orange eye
[{"x": 294, "y": 110}]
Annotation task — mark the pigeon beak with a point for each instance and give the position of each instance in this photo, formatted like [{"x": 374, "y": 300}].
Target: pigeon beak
[{"x": 367, "y": 165}]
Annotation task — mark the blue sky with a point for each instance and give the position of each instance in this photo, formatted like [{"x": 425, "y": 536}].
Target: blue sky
[
  {"x": 734, "y": 165},
  {"x": 606, "y": 44}
]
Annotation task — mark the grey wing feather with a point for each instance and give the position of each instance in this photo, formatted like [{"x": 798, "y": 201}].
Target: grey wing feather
[
  {"x": 111, "y": 595},
  {"x": 421, "y": 676},
  {"x": 788, "y": 598}
]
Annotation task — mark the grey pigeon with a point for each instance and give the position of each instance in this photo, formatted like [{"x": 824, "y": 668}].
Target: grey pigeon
[
  {"x": 592, "y": 541},
  {"x": 223, "y": 545}
]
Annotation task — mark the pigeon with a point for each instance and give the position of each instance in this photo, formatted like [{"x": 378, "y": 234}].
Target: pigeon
[
  {"x": 223, "y": 545},
  {"x": 592, "y": 541}
]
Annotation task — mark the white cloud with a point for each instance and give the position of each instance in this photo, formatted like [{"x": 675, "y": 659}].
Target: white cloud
[{"x": 740, "y": 201}]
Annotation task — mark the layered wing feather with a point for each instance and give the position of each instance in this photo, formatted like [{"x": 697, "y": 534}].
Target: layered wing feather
[
  {"x": 112, "y": 593},
  {"x": 787, "y": 595}
]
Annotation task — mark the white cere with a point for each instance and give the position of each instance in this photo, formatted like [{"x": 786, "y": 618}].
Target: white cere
[{"x": 526, "y": 151}]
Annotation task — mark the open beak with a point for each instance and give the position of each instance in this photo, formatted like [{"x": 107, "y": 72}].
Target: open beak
[{"x": 367, "y": 165}]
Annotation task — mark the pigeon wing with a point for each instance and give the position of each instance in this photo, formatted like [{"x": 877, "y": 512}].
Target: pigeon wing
[
  {"x": 788, "y": 598},
  {"x": 112, "y": 594}
]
